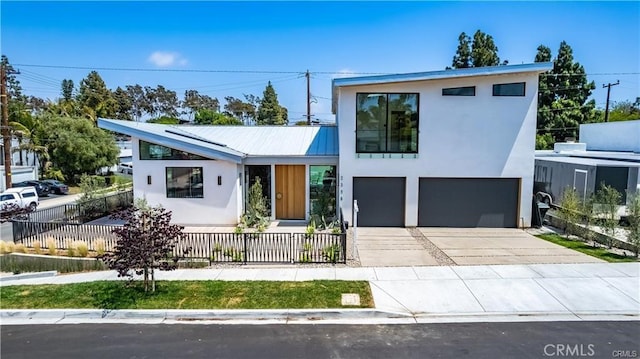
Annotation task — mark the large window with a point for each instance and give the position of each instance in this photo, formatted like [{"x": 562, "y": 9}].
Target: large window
[
  {"x": 322, "y": 196},
  {"x": 151, "y": 151},
  {"x": 513, "y": 89},
  {"x": 387, "y": 123},
  {"x": 184, "y": 182}
]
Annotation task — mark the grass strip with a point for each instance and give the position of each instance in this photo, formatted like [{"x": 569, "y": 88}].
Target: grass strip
[
  {"x": 318, "y": 294},
  {"x": 598, "y": 252}
]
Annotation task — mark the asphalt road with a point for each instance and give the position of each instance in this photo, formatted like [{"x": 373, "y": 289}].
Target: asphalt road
[{"x": 472, "y": 340}]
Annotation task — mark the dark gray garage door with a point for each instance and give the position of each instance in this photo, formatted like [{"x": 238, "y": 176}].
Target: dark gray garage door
[
  {"x": 468, "y": 202},
  {"x": 380, "y": 200}
]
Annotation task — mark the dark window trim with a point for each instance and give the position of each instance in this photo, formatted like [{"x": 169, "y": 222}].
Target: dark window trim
[
  {"x": 190, "y": 155},
  {"x": 166, "y": 184},
  {"x": 386, "y": 127},
  {"x": 524, "y": 89},
  {"x": 444, "y": 91}
]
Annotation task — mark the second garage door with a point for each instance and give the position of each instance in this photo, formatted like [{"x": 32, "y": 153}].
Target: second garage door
[
  {"x": 380, "y": 200},
  {"x": 468, "y": 202}
]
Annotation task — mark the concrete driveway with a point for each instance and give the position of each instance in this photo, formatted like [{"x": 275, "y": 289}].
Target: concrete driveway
[{"x": 459, "y": 246}]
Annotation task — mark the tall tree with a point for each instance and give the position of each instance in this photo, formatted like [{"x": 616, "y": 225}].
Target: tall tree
[
  {"x": 139, "y": 102},
  {"x": 480, "y": 52},
  {"x": 76, "y": 146},
  {"x": 166, "y": 101},
  {"x": 563, "y": 95},
  {"x": 462, "y": 58},
  {"x": 124, "y": 105},
  {"x": 95, "y": 98},
  {"x": 484, "y": 51},
  {"x": 67, "y": 90},
  {"x": 270, "y": 112},
  {"x": 194, "y": 102},
  {"x": 244, "y": 111}
]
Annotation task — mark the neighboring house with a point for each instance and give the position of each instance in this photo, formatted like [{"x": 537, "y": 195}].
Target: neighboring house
[
  {"x": 20, "y": 171},
  {"x": 202, "y": 173},
  {"x": 607, "y": 153},
  {"x": 450, "y": 148}
]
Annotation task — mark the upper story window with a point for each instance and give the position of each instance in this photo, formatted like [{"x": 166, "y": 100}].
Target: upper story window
[
  {"x": 459, "y": 91},
  {"x": 512, "y": 89},
  {"x": 387, "y": 123},
  {"x": 151, "y": 151}
]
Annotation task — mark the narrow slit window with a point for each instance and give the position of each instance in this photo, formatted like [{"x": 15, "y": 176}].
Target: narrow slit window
[
  {"x": 459, "y": 91},
  {"x": 512, "y": 89}
]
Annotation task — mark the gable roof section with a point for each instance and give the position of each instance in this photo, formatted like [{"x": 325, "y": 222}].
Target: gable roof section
[{"x": 234, "y": 143}]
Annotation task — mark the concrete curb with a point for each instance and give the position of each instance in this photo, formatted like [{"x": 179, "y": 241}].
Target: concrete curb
[
  {"x": 286, "y": 316},
  {"x": 30, "y": 275}
]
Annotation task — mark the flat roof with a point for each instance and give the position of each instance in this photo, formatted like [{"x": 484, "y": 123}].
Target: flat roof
[{"x": 587, "y": 161}]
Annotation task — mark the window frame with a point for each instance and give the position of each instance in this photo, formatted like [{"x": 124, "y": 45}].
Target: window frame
[
  {"x": 524, "y": 89},
  {"x": 473, "y": 88},
  {"x": 175, "y": 154},
  {"x": 166, "y": 182},
  {"x": 386, "y": 136}
]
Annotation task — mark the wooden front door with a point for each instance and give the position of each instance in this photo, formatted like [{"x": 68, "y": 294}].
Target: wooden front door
[{"x": 290, "y": 191}]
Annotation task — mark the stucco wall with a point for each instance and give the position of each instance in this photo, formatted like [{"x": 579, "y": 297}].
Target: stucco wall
[
  {"x": 479, "y": 136},
  {"x": 611, "y": 136},
  {"x": 220, "y": 205}
]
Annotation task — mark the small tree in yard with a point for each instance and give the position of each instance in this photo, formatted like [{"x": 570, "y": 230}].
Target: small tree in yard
[
  {"x": 633, "y": 215},
  {"x": 257, "y": 213},
  {"x": 608, "y": 199},
  {"x": 569, "y": 210},
  {"x": 145, "y": 243},
  {"x": 587, "y": 209}
]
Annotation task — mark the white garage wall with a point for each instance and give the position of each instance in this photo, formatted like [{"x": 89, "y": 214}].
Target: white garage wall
[
  {"x": 459, "y": 136},
  {"x": 220, "y": 205}
]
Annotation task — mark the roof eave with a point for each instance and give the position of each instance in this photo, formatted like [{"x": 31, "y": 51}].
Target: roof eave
[
  {"x": 537, "y": 67},
  {"x": 205, "y": 151}
]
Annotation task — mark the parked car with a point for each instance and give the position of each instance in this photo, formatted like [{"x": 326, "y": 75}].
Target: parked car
[
  {"x": 19, "y": 198},
  {"x": 56, "y": 186},
  {"x": 126, "y": 168},
  {"x": 42, "y": 188}
]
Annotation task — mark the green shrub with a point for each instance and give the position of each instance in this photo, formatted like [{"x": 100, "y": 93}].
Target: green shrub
[
  {"x": 37, "y": 248},
  {"x": 99, "y": 245},
  {"x": 81, "y": 248}
]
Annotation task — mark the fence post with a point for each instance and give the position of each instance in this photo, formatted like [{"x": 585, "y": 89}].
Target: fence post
[
  {"x": 244, "y": 256},
  {"x": 211, "y": 254}
]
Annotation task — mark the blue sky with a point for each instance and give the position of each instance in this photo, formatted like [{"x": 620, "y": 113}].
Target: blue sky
[{"x": 328, "y": 38}]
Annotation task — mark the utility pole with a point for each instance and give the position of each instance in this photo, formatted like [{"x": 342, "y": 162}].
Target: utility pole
[
  {"x": 608, "y": 86},
  {"x": 308, "y": 76},
  {"x": 6, "y": 136}
]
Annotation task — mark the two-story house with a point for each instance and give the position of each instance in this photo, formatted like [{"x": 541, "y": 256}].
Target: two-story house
[{"x": 452, "y": 148}]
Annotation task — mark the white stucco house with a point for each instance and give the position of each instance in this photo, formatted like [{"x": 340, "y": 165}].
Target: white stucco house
[{"x": 452, "y": 148}]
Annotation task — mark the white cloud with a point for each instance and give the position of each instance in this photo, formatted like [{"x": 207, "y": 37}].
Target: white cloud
[
  {"x": 345, "y": 73},
  {"x": 166, "y": 59}
]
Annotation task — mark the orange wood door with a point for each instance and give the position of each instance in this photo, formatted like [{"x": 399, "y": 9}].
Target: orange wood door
[{"x": 290, "y": 191}]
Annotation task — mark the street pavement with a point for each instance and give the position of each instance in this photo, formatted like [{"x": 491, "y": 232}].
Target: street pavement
[{"x": 489, "y": 293}]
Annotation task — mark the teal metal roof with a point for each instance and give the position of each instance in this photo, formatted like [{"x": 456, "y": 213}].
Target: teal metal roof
[{"x": 234, "y": 143}]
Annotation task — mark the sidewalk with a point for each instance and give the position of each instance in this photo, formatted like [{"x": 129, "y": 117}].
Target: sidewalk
[{"x": 589, "y": 291}]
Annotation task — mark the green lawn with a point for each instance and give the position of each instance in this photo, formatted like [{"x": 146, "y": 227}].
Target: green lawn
[
  {"x": 580, "y": 246},
  {"x": 186, "y": 295}
]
